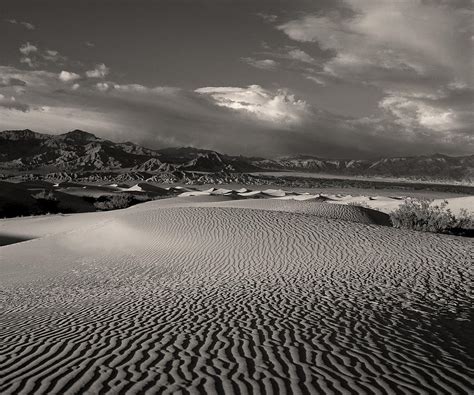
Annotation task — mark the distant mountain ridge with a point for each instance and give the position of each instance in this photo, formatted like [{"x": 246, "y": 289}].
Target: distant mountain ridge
[
  {"x": 435, "y": 167},
  {"x": 26, "y": 150},
  {"x": 79, "y": 151}
]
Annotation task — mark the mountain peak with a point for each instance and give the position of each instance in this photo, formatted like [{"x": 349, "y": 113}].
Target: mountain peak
[
  {"x": 79, "y": 135},
  {"x": 25, "y": 134}
]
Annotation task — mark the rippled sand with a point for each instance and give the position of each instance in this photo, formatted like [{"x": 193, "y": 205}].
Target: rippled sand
[{"x": 206, "y": 295}]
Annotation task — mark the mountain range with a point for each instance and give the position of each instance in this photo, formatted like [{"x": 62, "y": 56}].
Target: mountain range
[{"x": 80, "y": 152}]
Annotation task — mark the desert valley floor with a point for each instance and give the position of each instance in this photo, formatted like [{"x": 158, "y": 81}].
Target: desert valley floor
[{"x": 209, "y": 295}]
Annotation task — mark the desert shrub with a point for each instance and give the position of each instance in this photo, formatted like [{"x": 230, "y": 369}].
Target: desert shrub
[
  {"x": 422, "y": 215},
  {"x": 45, "y": 195},
  {"x": 113, "y": 202},
  {"x": 123, "y": 200},
  {"x": 464, "y": 224},
  {"x": 47, "y": 202}
]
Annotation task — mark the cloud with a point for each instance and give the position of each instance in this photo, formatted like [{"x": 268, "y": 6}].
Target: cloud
[
  {"x": 275, "y": 107},
  {"x": 103, "y": 86},
  {"x": 100, "y": 71},
  {"x": 302, "y": 56},
  {"x": 411, "y": 38},
  {"x": 418, "y": 54},
  {"x": 316, "y": 80},
  {"x": 248, "y": 120},
  {"x": 268, "y": 17},
  {"x": 265, "y": 64},
  {"x": 75, "y": 87},
  {"x": 89, "y": 44},
  {"x": 447, "y": 111},
  {"x": 9, "y": 81},
  {"x": 10, "y": 103},
  {"x": 32, "y": 54},
  {"x": 28, "y": 48},
  {"x": 67, "y": 76},
  {"x": 27, "y": 25},
  {"x": 412, "y": 113},
  {"x": 31, "y": 78},
  {"x": 53, "y": 56},
  {"x": 141, "y": 89},
  {"x": 29, "y": 61}
]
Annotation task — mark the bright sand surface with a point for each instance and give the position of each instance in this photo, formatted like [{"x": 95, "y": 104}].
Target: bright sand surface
[{"x": 206, "y": 294}]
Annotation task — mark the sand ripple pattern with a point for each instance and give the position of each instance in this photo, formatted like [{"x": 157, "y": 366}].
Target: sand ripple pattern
[{"x": 202, "y": 300}]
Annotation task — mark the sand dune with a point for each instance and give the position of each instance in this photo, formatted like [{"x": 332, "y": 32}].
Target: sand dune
[
  {"x": 210, "y": 295},
  {"x": 311, "y": 207},
  {"x": 384, "y": 204}
]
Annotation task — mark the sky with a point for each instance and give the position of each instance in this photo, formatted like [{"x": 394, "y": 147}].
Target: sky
[{"x": 329, "y": 78}]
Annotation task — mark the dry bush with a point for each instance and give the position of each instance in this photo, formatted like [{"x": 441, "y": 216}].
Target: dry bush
[
  {"x": 45, "y": 195},
  {"x": 114, "y": 202},
  {"x": 422, "y": 215}
]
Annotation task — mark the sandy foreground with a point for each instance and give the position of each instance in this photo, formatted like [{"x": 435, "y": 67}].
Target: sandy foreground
[{"x": 205, "y": 294}]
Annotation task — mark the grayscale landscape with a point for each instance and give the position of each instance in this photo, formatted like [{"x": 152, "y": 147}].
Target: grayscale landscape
[{"x": 236, "y": 197}]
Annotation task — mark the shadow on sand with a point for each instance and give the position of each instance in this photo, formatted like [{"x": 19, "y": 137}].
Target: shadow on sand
[{"x": 12, "y": 239}]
